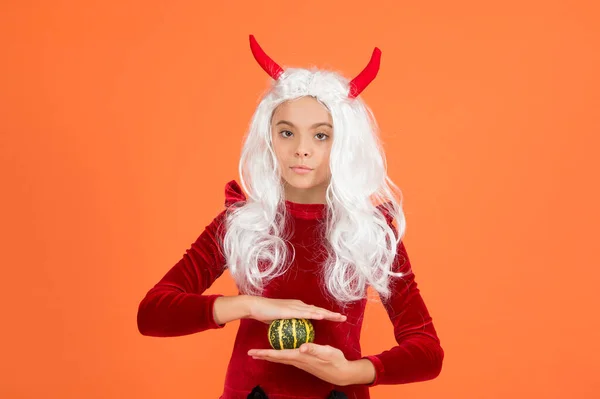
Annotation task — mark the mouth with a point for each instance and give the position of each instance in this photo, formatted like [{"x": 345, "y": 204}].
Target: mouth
[
  {"x": 301, "y": 170},
  {"x": 301, "y": 167}
]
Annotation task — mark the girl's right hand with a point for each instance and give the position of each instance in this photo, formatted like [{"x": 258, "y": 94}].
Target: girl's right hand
[{"x": 269, "y": 309}]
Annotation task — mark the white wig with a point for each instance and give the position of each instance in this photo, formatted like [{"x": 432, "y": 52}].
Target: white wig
[{"x": 361, "y": 245}]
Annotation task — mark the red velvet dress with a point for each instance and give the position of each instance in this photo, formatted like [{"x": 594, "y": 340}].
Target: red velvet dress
[{"x": 177, "y": 306}]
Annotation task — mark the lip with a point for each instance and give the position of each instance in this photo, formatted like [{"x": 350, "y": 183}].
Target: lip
[
  {"x": 301, "y": 167},
  {"x": 301, "y": 170}
]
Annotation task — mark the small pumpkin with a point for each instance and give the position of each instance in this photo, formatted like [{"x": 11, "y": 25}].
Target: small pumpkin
[{"x": 290, "y": 333}]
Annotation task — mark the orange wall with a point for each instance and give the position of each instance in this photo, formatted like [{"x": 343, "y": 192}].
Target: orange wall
[{"x": 122, "y": 121}]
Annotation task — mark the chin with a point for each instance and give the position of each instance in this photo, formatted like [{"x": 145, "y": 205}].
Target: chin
[
  {"x": 299, "y": 182},
  {"x": 302, "y": 182}
]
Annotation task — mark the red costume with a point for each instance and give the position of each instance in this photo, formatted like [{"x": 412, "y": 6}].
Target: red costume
[{"x": 176, "y": 306}]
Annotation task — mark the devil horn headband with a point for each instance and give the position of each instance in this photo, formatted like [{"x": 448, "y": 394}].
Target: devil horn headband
[{"x": 357, "y": 85}]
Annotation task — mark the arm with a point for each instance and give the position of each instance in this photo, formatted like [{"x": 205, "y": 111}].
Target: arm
[
  {"x": 361, "y": 372},
  {"x": 418, "y": 355},
  {"x": 230, "y": 308},
  {"x": 176, "y": 305}
]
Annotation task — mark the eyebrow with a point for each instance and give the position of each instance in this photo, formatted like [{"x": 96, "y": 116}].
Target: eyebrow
[{"x": 312, "y": 127}]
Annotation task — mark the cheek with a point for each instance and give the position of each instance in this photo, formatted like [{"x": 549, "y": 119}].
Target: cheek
[
  {"x": 325, "y": 157},
  {"x": 326, "y": 160},
  {"x": 277, "y": 148},
  {"x": 324, "y": 169},
  {"x": 281, "y": 154}
]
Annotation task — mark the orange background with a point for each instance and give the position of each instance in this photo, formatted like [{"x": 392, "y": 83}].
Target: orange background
[{"x": 122, "y": 121}]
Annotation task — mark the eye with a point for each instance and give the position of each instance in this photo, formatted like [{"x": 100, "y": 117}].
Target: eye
[
  {"x": 285, "y": 131},
  {"x": 323, "y": 134}
]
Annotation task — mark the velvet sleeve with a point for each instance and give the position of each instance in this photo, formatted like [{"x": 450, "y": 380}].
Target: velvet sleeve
[
  {"x": 177, "y": 305},
  {"x": 418, "y": 355}
]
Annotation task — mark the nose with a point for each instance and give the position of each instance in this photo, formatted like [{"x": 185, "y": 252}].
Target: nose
[
  {"x": 302, "y": 150},
  {"x": 304, "y": 145}
]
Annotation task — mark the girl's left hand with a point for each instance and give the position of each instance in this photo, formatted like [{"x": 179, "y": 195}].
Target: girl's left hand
[{"x": 323, "y": 361}]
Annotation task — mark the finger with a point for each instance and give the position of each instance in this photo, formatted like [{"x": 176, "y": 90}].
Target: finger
[
  {"x": 323, "y": 352},
  {"x": 316, "y": 312},
  {"x": 279, "y": 354},
  {"x": 303, "y": 313},
  {"x": 267, "y": 352},
  {"x": 310, "y": 349},
  {"x": 327, "y": 313},
  {"x": 332, "y": 316}
]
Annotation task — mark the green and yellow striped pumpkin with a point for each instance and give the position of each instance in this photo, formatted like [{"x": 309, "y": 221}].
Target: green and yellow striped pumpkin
[{"x": 290, "y": 333}]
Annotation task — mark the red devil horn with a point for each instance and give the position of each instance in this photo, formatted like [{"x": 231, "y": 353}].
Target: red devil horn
[
  {"x": 362, "y": 80},
  {"x": 264, "y": 60}
]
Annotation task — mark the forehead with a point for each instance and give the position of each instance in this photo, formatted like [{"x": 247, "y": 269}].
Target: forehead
[{"x": 302, "y": 111}]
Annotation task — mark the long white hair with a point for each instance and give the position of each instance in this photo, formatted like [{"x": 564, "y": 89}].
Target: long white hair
[{"x": 361, "y": 245}]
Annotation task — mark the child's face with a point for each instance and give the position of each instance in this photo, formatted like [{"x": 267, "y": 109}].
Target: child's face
[{"x": 302, "y": 134}]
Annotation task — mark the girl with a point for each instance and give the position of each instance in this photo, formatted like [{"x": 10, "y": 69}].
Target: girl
[{"x": 315, "y": 230}]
